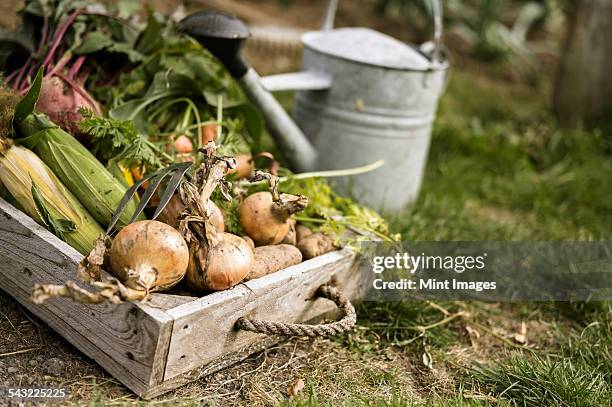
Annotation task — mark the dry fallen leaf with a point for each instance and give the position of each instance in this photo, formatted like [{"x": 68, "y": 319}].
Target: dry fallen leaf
[
  {"x": 296, "y": 386},
  {"x": 474, "y": 335},
  {"x": 521, "y": 336},
  {"x": 472, "y": 332},
  {"x": 359, "y": 105},
  {"x": 427, "y": 360}
]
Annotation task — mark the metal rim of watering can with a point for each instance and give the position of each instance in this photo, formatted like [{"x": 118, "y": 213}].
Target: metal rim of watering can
[{"x": 437, "y": 60}]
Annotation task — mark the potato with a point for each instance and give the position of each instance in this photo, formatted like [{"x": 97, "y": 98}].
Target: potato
[
  {"x": 290, "y": 237},
  {"x": 301, "y": 232},
  {"x": 249, "y": 241},
  {"x": 270, "y": 259},
  {"x": 315, "y": 245}
]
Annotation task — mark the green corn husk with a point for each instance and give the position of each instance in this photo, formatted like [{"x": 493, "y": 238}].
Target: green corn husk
[
  {"x": 43, "y": 197},
  {"x": 80, "y": 171}
]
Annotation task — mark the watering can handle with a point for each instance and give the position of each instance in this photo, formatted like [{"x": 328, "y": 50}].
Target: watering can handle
[
  {"x": 436, "y": 5},
  {"x": 438, "y": 27},
  {"x": 330, "y": 15}
]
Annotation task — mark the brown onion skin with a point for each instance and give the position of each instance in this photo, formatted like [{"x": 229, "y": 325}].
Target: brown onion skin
[
  {"x": 175, "y": 206},
  {"x": 154, "y": 251},
  {"x": 259, "y": 220},
  {"x": 219, "y": 267},
  {"x": 244, "y": 167}
]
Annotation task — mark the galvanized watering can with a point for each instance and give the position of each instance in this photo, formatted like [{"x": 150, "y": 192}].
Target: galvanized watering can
[{"x": 362, "y": 96}]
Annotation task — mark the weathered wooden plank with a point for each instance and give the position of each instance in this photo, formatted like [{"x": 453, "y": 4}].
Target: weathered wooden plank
[
  {"x": 212, "y": 367},
  {"x": 161, "y": 343},
  {"x": 129, "y": 340},
  {"x": 204, "y": 332},
  {"x": 164, "y": 301}
]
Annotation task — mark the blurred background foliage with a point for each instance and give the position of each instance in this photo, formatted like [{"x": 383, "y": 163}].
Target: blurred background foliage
[
  {"x": 492, "y": 30},
  {"x": 489, "y": 30}
]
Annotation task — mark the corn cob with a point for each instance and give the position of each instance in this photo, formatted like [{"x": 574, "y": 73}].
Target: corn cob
[
  {"x": 94, "y": 186},
  {"x": 43, "y": 197},
  {"x": 123, "y": 174}
]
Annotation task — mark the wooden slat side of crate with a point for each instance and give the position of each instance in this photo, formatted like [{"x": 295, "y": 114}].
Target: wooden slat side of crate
[
  {"x": 203, "y": 330},
  {"x": 129, "y": 340},
  {"x": 204, "y": 339}
]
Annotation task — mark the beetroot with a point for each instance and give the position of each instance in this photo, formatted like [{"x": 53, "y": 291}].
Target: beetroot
[{"x": 61, "y": 99}]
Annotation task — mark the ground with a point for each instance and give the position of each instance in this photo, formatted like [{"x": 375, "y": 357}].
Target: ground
[{"x": 499, "y": 169}]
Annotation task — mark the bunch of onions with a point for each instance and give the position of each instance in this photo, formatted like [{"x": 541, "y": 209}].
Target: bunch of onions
[
  {"x": 217, "y": 260},
  {"x": 265, "y": 216}
]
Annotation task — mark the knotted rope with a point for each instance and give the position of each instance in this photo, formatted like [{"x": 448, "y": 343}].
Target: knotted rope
[{"x": 279, "y": 328}]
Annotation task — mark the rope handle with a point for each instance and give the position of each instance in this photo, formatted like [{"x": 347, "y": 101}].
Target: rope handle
[{"x": 279, "y": 328}]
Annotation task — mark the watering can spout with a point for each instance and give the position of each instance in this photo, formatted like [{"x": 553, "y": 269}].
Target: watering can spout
[
  {"x": 224, "y": 35},
  {"x": 296, "y": 148}
]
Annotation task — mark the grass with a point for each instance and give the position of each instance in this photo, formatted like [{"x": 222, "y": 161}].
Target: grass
[
  {"x": 579, "y": 374},
  {"x": 501, "y": 169},
  {"x": 557, "y": 382},
  {"x": 504, "y": 161},
  {"x": 398, "y": 323}
]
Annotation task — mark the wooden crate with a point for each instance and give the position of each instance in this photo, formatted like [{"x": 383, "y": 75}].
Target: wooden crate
[{"x": 172, "y": 340}]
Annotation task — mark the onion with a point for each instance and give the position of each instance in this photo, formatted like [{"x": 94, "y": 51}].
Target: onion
[
  {"x": 244, "y": 167},
  {"x": 145, "y": 256},
  {"x": 175, "y": 207},
  {"x": 265, "y": 216},
  {"x": 217, "y": 260},
  {"x": 220, "y": 266},
  {"x": 149, "y": 255}
]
